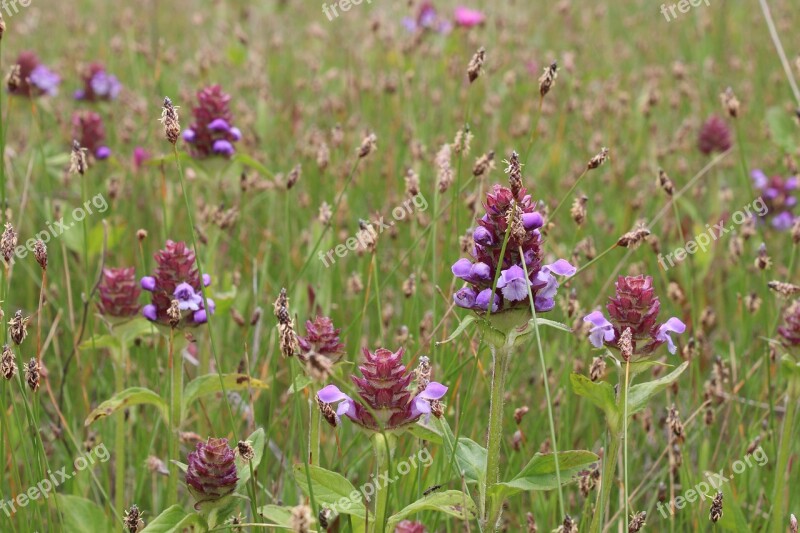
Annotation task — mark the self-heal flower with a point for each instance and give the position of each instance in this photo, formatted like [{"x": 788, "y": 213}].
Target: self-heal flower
[
  {"x": 778, "y": 197},
  {"x": 98, "y": 85},
  {"x": 177, "y": 279},
  {"x": 211, "y": 470},
  {"x": 212, "y": 131},
  {"x": 634, "y": 307},
  {"x": 385, "y": 400},
  {"x": 119, "y": 293},
  {"x": 790, "y": 329},
  {"x": 31, "y": 78},
  {"x": 88, "y": 130},
  {"x": 468, "y": 18},
  {"x": 514, "y": 284}
]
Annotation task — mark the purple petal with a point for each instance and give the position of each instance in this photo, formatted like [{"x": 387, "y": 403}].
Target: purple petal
[
  {"x": 200, "y": 317},
  {"x": 223, "y": 147},
  {"x": 480, "y": 271},
  {"x": 461, "y": 268},
  {"x": 434, "y": 391},
  {"x": 148, "y": 283},
  {"x": 510, "y": 274},
  {"x": 206, "y": 280},
  {"x": 482, "y": 236},
  {"x": 465, "y": 298},
  {"x": 150, "y": 313},
  {"x": 543, "y": 305},
  {"x": 759, "y": 178},
  {"x": 331, "y": 394},
  {"x": 104, "y": 152},
  {"x": 531, "y": 221},
  {"x": 561, "y": 268},
  {"x": 598, "y": 319},
  {"x": 218, "y": 125},
  {"x": 420, "y": 407},
  {"x": 673, "y": 325},
  {"x": 189, "y": 135},
  {"x": 236, "y": 134},
  {"x": 482, "y": 300}
]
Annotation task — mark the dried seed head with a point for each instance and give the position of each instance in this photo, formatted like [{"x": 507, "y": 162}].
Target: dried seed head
[
  {"x": 716, "y": 508},
  {"x": 8, "y": 363},
  {"x": 730, "y": 103},
  {"x": 531, "y": 523},
  {"x": 169, "y": 118},
  {"x": 174, "y": 314},
  {"x": 18, "y": 327},
  {"x": 796, "y": 231},
  {"x": 578, "y": 210},
  {"x": 141, "y": 234},
  {"x": 444, "y": 171},
  {"x": 294, "y": 176},
  {"x": 2, "y": 26},
  {"x": 8, "y": 242},
  {"x": 301, "y": 519},
  {"x": 598, "y": 368},
  {"x": 412, "y": 183},
  {"x": 519, "y": 413},
  {"x": 40, "y": 253},
  {"x": 287, "y": 336},
  {"x": 156, "y": 465},
  {"x": 483, "y": 165},
  {"x": 637, "y": 522},
  {"x": 325, "y": 214},
  {"x": 32, "y": 374},
  {"x": 77, "y": 159},
  {"x": 793, "y": 524},
  {"x": 675, "y": 425},
  {"x": 665, "y": 183},
  {"x": 133, "y": 519},
  {"x": 462, "y": 141},
  {"x": 598, "y": 160},
  {"x": 784, "y": 289},
  {"x": 13, "y": 79},
  {"x": 368, "y": 145},
  {"x": 245, "y": 450},
  {"x": 476, "y": 64},
  {"x": 634, "y": 238},
  {"x": 548, "y": 79},
  {"x": 514, "y": 171},
  {"x": 763, "y": 260},
  {"x": 626, "y": 344},
  {"x": 752, "y": 302},
  {"x": 568, "y": 526},
  {"x": 410, "y": 286},
  {"x": 328, "y": 413}
]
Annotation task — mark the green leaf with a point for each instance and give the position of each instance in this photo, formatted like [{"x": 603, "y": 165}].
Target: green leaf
[
  {"x": 637, "y": 367},
  {"x": 470, "y": 457},
  {"x": 258, "y": 440},
  {"x": 452, "y": 502},
  {"x": 248, "y": 161},
  {"x": 301, "y": 381},
  {"x": 127, "y": 398},
  {"x": 281, "y": 516},
  {"x": 172, "y": 520},
  {"x": 330, "y": 489},
  {"x": 540, "y": 472},
  {"x": 210, "y": 384},
  {"x": 425, "y": 432},
  {"x": 781, "y": 128},
  {"x": 639, "y": 395},
  {"x": 600, "y": 393},
  {"x": 81, "y": 514},
  {"x": 465, "y": 323},
  {"x": 121, "y": 334}
]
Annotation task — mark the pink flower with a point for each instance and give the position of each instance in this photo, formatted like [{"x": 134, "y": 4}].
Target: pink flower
[{"x": 469, "y": 18}]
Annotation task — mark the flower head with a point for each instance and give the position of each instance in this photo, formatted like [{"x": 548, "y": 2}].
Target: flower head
[
  {"x": 714, "y": 136},
  {"x": 119, "y": 293},
  {"x": 211, "y": 470},
  {"x": 385, "y": 399},
  {"x": 778, "y": 198},
  {"x": 468, "y": 18},
  {"x": 31, "y": 78},
  {"x": 790, "y": 329},
  {"x": 634, "y": 307},
  {"x": 506, "y": 207},
  {"x": 212, "y": 132},
  {"x": 176, "y": 279},
  {"x": 320, "y": 349},
  {"x": 88, "y": 130},
  {"x": 98, "y": 85}
]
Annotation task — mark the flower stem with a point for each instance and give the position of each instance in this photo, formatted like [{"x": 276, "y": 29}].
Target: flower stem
[
  {"x": 500, "y": 359},
  {"x": 779, "y": 488},
  {"x": 625, "y": 433},
  {"x": 176, "y": 398},
  {"x": 606, "y": 480},
  {"x": 119, "y": 443},
  {"x": 383, "y": 445},
  {"x": 313, "y": 432}
]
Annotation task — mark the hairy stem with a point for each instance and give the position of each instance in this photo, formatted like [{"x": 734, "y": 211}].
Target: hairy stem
[
  {"x": 500, "y": 359},
  {"x": 780, "y": 485}
]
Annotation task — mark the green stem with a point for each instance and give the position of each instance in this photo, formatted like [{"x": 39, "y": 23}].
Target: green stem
[
  {"x": 778, "y": 525},
  {"x": 606, "y": 481},
  {"x": 313, "y": 432},
  {"x": 176, "y": 398},
  {"x": 119, "y": 444},
  {"x": 500, "y": 359},
  {"x": 383, "y": 446}
]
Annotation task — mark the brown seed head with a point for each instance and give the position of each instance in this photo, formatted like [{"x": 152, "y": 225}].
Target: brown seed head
[
  {"x": 665, "y": 183},
  {"x": 716, "y": 508},
  {"x": 33, "y": 374},
  {"x": 40, "y": 253},
  {"x": 8, "y": 363},
  {"x": 476, "y": 64},
  {"x": 8, "y": 242},
  {"x": 77, "y": 159},
  {"x": 730, "y": 103},
  {"x": 598, "y": 160},
  {"x": 368, "y": 145},
  {"x": 548, "y": 79},
  {"x": 634, "y": 238},
  {"x": 133, "y": 519},
  {"x": 169, "y": 118},
  {"x": 18, "y": 327},
  {"x": 174, "y": 313},
  {"x": 637, "y": 522}
]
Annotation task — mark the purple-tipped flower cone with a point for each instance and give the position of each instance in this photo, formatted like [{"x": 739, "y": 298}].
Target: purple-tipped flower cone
[{"x": 211, "y": 472}]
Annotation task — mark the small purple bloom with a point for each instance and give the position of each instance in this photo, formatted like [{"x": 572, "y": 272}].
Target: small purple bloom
[
  {"x": 482, "y": 300},
  {"x": 218, "y": 124},
  {"x": 783, "y": 221},
  {"x": 331, "y": 395},
  {"x": 223, "y": 147},
  {"x": 45, "y": 80},
  {"x": 105, "y": 85},
  {"x": 150, "y": 313},
  {"x": 104, "y": 152},
  {"x": 236, "y": 133},
  {"x": 480, "y": 271},
  {"x": 602, "y": 329},
  {"x": 532, "y": 221},
  {"x": 189, "y": 135},
  {"x": 465, "y": 298},
  {"x": 462, "y": 268},
  {"x": 513, "y": 283},
  {"x": 760, "y": 179},
  {"x": 206, "y": 280},
  {"x": 482, "y": 236},
  {"x": 673, "y": 325},
  {"x": 422, "y": 402},
  {"x": 187, "y": 298},
  {"x": 148, "y": 283}
]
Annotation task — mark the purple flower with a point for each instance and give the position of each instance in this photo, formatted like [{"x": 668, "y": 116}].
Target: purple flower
[
  {"x": 187, "y": 298},
  {"x": 783, "y": 221},
  {"x": 777, "y": 199},
  {"x": 332, "y": 395},
  {"x": 422, "y": 403},
  {"x": 148, "y": 283},
  {"x": 673, "y": 325},
  {"x": 189, "y": 135},
  {"x": 223, "y": 147},
  {"x": 483, "y": 298},
  {"x": 532, "y": 221},
  {"x": 468, "y": 18},
  {"x": 482, "y": 236},
  {"x": 218, "y": 124},
  {"x": 98, "y": 85},
  {"x": 211, "y": 470},
  {"x": 513, "y": 283},
  {"x": 465, "y": 298},
  {"x": 212, "y": 131},
  {"x": 602, "y": 330},
  {"x": 104, "y": 152},
  {"x": 45, "y": 80},
  {"x": 150, "y": 312}
]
